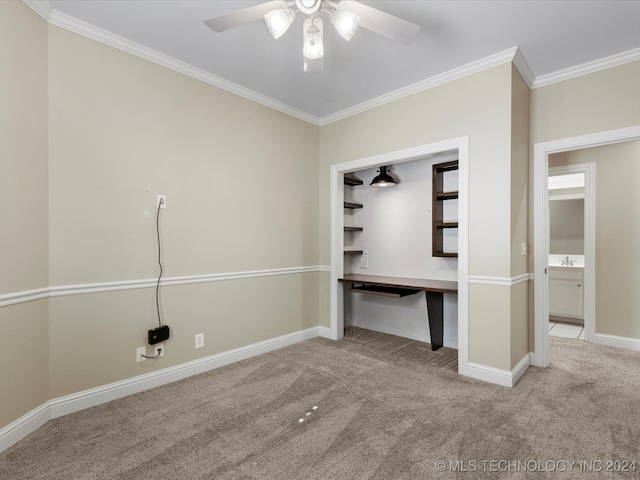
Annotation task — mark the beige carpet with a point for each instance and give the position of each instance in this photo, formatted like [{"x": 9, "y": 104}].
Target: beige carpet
[{"x": 380, "y": 415}]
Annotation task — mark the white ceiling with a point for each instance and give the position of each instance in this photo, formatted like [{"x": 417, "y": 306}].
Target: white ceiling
[{"x": 551, "y": 36}]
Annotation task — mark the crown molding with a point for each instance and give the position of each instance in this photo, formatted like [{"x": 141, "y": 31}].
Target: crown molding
[
  {"x": 587, "y": 68},
  {"x": 523, "y": 67},
  {"x": 446, "y": 77},
  {"x": 41, "y": 7},
  {"x": 74, "y": 25},
  {"x": 514, "y": 55}
]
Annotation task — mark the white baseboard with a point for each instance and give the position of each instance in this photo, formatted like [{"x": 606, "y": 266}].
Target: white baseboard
[
  {"x": 58, "y": 407},
  {"x": 626, "y": 343},
  {"x": 394, "y": 329},
  {"x": 324, "y": 332},
  {"x": 23, "y": 426},
  {"x": 505, "y": 378},
  {"x": 619, "y": 342}
]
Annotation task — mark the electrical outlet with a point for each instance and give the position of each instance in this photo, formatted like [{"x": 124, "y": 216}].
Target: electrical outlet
[
  {"x": 364, "y": 263},
  {"x": 140, "y": 351},
  {"x": 199, "y": 340},
  {"x": 161, "y": 201},
  {"x": 158, "y": 350}
]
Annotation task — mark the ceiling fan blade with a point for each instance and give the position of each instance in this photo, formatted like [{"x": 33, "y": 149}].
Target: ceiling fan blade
[
  {"x": 246, "y": 15},
  {"x": 384, "y": 24}
]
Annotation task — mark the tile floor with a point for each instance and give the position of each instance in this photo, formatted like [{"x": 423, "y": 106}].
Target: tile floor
[{"x": 567, "y": 330}]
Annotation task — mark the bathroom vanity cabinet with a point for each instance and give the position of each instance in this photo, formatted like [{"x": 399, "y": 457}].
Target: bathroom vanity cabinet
[{"x": 566, "y": 292}]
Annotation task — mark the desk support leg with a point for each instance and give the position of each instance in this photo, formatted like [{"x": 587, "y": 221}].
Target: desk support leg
[{"x": 436, "y": 318}]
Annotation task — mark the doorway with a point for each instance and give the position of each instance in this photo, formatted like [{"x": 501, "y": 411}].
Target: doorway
[
  {"x": 457, "y": 145},
  {"x": 571, "y": 249},
  {"x": 541, "y": 233}
]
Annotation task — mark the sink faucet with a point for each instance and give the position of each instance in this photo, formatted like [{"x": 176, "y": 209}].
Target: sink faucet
[{"x": 567, "y": 262}]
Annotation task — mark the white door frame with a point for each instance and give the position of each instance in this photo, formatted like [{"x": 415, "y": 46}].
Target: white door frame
[
  {"x": 461, "y": 145},
  {"x": 541, "y": 152}
]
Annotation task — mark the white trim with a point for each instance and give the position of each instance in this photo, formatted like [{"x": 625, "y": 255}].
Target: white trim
[
  {"x": 23, "y": 426},
  {"x": 459, "y": 145},
  {"x": 576, "y": 196},
  {"x": 85, "y": 29},
  {"x": 429, "y": 83},
  {"x": 619, "y": 342},
  {"x": 58, "y": 407},
  {"x": 324, "y": 332},
  {"x": 589, "y": 260},
  {"x": 587, "y": 68},
  {"x": 518, "y": 371},
  {"x": 24, "y": 296},
  {"x": 41, "y": 7},
  {"x": 505, "y": 378},
  {"x": 514, "y": 55},
  {"x": 501, "y": 281},
  {"x": 393, "y": 329},
  {"x": 523, "y": 67},
  {"x": 64, "y": 290},
  {"x": 541, "y": 152}
]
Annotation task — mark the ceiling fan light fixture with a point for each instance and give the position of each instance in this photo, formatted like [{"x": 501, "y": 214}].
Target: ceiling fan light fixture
[
  {"x": 308, "y": 7},
  {"x": 383, "y": 179},
  {"x": 279, "y": 21},
  {"x": 345, "y": 21},
  {"x": 313, "y": 48}
]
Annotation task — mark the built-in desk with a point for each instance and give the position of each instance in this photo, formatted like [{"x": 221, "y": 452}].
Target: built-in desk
[{"x": 397, "y": 287}]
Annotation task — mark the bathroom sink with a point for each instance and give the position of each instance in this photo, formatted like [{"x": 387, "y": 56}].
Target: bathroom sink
[
  {"x": 566, "y": 267},
  {"x": 570, "y": 261}
]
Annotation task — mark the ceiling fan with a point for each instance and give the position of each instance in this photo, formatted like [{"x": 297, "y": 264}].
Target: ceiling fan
[{"x": 346, "y": 16}]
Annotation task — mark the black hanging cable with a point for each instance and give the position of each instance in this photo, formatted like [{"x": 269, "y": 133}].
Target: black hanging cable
[
  {"x": 155, "y": 356},
  {"x": 160, "y": 203}
]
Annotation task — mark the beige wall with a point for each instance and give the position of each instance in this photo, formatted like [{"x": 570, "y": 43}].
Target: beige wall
[
  {"x": 23, "y": 149},
  {"x": 241, "y": 189},
  {"x": 519, "y": 215},
  {"x": 122, "y": 130},
  {"x": 598, "y": 102},
  {"x": 605, "y": 100},
  {"x": 24, "y": 342},
  {"x": 478, "y": 106},
  {"x": 617, "y": 234},
  {"x": 242, "y": 195},
  {"x": 231, "y": 314},
  {"x": 240, "y": 178}
]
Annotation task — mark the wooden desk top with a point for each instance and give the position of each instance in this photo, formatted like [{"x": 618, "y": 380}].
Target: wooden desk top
[{"x": 443, "y": 286}]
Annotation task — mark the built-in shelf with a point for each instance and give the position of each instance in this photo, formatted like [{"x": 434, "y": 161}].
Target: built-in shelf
[
  {"x": 352, "y": 205},
  {"x": 440, "y": 197},
  {"x": 447, "y": 195},
  {"x": 350, "y": 181}
]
